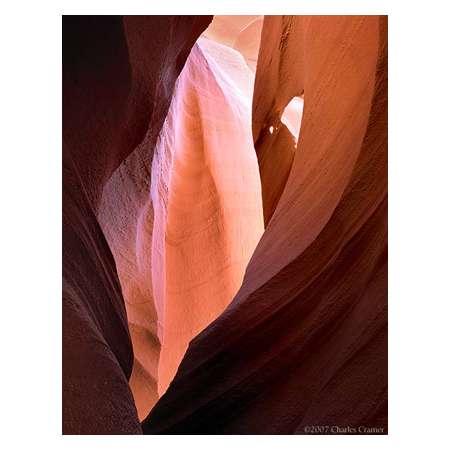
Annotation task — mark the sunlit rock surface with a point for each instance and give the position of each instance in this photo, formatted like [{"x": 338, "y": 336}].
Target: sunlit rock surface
[
  {"x": 181, "y": 143},
  {"x": 304, "y": 342},
  {"x": 243, "y": 33},
  {"x": 282, "y": 126},
  {"x": 207, "y": 198},
  {"x": 182, "y": 247}
]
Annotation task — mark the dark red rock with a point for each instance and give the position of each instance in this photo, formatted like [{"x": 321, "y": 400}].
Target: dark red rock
[{"x": 118, "y": 78}]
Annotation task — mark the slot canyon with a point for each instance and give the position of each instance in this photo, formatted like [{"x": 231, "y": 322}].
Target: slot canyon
[{"x": 224, "y": 214}]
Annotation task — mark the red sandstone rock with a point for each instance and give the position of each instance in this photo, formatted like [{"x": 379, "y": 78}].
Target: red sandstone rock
[
  {"x": 207, "y": 198},
  {"x": 304, "y": 342},
  {"x": 126, "y": 217},
  {"x": 118, "y": 76},
  {"x": 184, "y": 244}
]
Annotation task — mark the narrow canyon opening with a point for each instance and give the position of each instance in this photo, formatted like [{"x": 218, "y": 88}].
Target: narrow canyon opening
[
  {"x": 224, "y": 251},
  {"x": 205, "y": 188},
  {"x": 292, "y": 117},
  {"x": 183, "y": 223}
]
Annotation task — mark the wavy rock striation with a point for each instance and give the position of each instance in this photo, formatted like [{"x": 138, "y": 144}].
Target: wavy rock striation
[
  {"x": 118, "y": 78},
  {"x": 207, "y": 198},
  {"x": 182, "y": 235},
  {"x": 164, "y": 211},
  {"x": 304, "y": 341}
]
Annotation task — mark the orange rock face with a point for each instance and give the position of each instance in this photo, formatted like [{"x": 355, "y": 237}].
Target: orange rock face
[
  {"x": 224, "y": 224},
  {"x": 207, "y": 198},
  {"x": 304, "y": 341},
  {"x": 183, "y": 220}
]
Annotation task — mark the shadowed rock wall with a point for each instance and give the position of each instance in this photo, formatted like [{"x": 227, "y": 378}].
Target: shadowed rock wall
[{"x": 118, "y": 77}]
